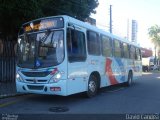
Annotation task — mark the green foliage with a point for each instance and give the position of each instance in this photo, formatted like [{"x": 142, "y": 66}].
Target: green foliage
[
  {"x": 13, "y": 13},
  {"x": 80, "y": 9},
  {"x": 154, "y": 34}
]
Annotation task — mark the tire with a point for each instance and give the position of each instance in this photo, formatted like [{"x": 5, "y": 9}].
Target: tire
[
  {"x": 92, "y": 88},
  {"x": 130, "y": 79}
]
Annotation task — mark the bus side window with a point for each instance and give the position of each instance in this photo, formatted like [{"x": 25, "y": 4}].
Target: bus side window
[
  {"x": 76, "y": 47},
  {"x": 138, "y": 54},
  {"x": 93, "y": 43},
  {"x": 125, "y": 50},
  {"x": 132, "y": 52},
  {"x": 106, "y": 46},
  {"x": 117, "y": 48}
]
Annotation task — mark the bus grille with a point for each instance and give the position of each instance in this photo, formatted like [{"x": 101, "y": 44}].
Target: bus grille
[
  {"x": 36, "y": 74},
  {"x": 37, "y": 81},
  {"x": 31, "y": 87}
]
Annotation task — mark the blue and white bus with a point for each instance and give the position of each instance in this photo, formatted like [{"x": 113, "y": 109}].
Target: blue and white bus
[{"x": 61, "y": 55}]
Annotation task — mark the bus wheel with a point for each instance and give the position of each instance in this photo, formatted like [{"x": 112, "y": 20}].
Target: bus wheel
[
  {"x": 130, "y": 79},
  {"x": 92, "y": 86}
]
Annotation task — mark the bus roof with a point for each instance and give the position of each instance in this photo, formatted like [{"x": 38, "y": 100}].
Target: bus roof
[{"x": 86, "y": 25}]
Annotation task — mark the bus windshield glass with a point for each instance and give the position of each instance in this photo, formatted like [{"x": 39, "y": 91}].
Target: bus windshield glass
[{"x": 39, "y": 50}]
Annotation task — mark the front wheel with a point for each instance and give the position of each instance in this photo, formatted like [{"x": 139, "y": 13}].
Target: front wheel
[{"x": 92, "y": 86}]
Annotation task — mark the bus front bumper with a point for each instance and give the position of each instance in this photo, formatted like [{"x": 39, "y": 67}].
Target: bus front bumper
[{"x": 58, "y": 88}]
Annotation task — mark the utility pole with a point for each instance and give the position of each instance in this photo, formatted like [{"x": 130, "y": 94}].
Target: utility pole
[
  {"x": 155, "y": 59},
  {"x": 128, "y": 29},
  {"x": 110, "y": 26}
]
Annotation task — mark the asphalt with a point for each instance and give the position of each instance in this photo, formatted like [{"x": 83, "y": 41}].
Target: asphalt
[{"x": 8, "y": 89}]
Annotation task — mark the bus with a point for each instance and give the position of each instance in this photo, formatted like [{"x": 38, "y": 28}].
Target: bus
[{"x": 61, "y": 55}]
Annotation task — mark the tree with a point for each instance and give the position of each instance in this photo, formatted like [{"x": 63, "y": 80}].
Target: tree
[
  {"x": 154, "y": 34},
  {"x": 80, "y": 9},
  {"x": 13, "y": 13}
]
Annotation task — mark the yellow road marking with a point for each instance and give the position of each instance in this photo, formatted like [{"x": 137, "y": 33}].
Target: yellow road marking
[
  {"x": 5, "y": 104},
  {"x": 8, "y": 103}
]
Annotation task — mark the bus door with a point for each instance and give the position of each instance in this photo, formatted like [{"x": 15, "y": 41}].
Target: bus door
[{"x": 77, "y": 65}]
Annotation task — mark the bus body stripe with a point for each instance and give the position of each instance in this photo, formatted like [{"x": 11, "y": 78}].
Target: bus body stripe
[
  {"x": 109, "y": 72},
  {"x": 121, "y": 65}
]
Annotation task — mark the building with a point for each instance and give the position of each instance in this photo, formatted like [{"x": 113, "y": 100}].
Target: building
[
  {"x": 146, "y": 52},
  {"x": 134, "y": 31}
]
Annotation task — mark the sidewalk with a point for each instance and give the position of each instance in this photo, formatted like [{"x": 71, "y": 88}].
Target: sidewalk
[{"x": 7, "y": 89}]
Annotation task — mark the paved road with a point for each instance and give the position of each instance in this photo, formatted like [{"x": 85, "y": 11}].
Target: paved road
[{"x": 142, "y": 97}]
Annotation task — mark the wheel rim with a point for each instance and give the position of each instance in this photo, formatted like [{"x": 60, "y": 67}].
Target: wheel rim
[{"x": 92, "y": 86}]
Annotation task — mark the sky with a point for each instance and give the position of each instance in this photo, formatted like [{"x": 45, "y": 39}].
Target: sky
[{"x": 145, "y": 12}]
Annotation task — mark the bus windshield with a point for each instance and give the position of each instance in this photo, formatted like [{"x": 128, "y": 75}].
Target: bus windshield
[{"x": 39, "y": 50}]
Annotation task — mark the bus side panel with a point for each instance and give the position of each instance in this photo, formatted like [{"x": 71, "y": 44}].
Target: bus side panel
[
  {"x": 77, "y": 77},
  {"x": 104, "y": 78},
  {"x": 137, "y": 69},
  {"x": 115, "y": 70},
  {"x": 96, "y": 64}
]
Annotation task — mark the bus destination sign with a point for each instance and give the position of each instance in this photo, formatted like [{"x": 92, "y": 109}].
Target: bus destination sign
[{"x": 44, "y": 24}]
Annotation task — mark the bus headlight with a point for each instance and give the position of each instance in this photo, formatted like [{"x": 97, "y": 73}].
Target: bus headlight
[
  {"x": 19, "y": 78},
  {"x": 55, "y": 78}
]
